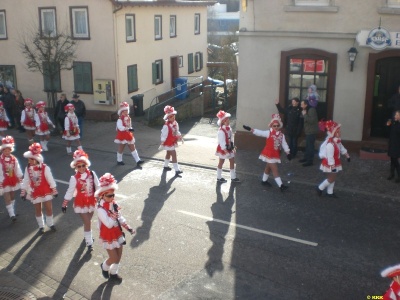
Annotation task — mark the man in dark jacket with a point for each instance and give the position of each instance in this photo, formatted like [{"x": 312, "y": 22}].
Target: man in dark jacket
[
  {"x": 292, "y": 123},
  {"x": 80, "y": 111},
  {"x": 310, "y": 121},
  {"x": 59, "y": 112},
  {"x": 9, "y": 105}
]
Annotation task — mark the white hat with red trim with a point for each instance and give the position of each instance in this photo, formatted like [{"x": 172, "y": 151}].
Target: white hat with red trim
[
  {"x": 80, "y": 156},
  {"x": 222, "y": 115},
  {"x": 169, "y": 110},
  {"x": 40, "y": 104},
  {"x": 28, "y": 101},
  {"x": 391, "y": 271},
  {"x": 107, "y": 182},
  {"x": 69, "y": 106},
  {"x": 8, "y": 142},
  {"x": 331, "y": 127},
  {"x": 34, "y": 152},
  {"x": 276, "y": 118},
  {"x": 123, "y": 106}
]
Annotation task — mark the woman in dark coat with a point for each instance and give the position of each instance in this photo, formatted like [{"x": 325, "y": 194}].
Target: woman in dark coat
[{"x": 394, "y": 146}]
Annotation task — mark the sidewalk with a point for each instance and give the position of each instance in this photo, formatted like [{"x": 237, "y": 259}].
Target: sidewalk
[{"x": 365, "y": 177}]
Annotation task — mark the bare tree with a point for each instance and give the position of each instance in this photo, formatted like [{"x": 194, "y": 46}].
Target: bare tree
[{"x": 49, "y": 55}]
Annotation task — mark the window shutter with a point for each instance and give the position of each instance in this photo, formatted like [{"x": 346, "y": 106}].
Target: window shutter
[
  {"x": 154, "y": 72},
  {"x": 201, "y": 60},
  {"x": 190, "y": 63}
]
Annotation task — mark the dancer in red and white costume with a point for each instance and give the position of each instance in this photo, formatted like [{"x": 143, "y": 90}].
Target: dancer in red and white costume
[
  {"x": 111, "y": 223},
  {"x": 225, "y": 148},
  {"x": 71, "y": 128},
  {"x": 4, "y": 121},
  {"x": 170, "y": 136},
  {"x": 82, "y": 186},
  {"x": 10, "y": 175},
  {"x": 330, "y": 152},
  {"x": 39, "y": 186},
  {"x": 28, "y": 119},
  {"x": 42, "y": 122},
  {"x": 125, "y": 135},
  {"x": 393, "y": 293},
  {"x": 271, "y": 154}
]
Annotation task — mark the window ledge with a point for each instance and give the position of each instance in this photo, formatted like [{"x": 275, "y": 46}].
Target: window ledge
[
  {"x": 389, "y": 10},
  {"x": 296, "y": 8}
]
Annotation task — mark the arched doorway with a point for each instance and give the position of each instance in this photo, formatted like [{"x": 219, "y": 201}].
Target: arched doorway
[{"x": 382, "y": 82}]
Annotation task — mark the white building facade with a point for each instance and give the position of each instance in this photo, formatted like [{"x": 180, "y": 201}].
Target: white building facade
[{"x": 287, "y": 45}]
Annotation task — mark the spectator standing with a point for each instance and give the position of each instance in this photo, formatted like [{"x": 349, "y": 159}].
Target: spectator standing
[
  {"x": 43, "y": 123},
  {"x": 394, "y": 146},
  {"x": 80, "y": 111},
  {"x": 9, "y": 105},
  {"x": 10, "y": 175},
  {"x": 310, "y": 121},
  {"x": 20, "y": 106},
  {"x": 59, "y": 112},
  {"x": 39, "y": 187},
  {"x": 292, "y": 123},
  {"x": 394, "y": 103}
]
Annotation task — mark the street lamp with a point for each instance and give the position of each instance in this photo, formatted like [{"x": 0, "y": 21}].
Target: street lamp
[{"x": 352, "y": 57}]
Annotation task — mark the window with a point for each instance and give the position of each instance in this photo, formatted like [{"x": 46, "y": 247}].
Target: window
[
  {"x": 158, "y": 27},
  {"x": 83, "y": 81},
  {"x": 130, "y": 28},
  {"x": 190, "y": 63},
  {"x": 312, "y": 2},
  {"x": 132, "y": 79},
  {"x": 196, "y": 23},
  {"x": 3, "y": 27},
  {"x": 48, "y": 24},
  {"x": 8, "y": 76},
  {"x": 51, "y": 77},
  {"x": 172, "y": 26},
  {"x": 198, "y": 61},
  {"x": 180, "y": 61},
  {"x": 394, "y": 3},
  {"x": 79, "y": 22},
  {"x": 157, "y": 71}
]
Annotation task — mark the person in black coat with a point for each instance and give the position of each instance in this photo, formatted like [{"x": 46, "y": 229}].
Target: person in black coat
[
  {"x": 9, "y": 105},
  {"x": 292, "y": 123},
  {"x": 394, "y": 146},
  {"x": 59, "y": 112}
]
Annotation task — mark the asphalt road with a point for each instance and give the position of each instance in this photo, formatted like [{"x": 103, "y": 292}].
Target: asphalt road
[{"x": 199, "y": 240}]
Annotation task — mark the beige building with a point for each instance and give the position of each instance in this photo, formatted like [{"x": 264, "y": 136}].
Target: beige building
[
  {"x": 124, "y": 47},
  {"x": 287, "y": 45}
]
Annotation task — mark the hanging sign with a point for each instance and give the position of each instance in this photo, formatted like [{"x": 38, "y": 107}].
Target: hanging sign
[{"x": 378, "y": 39}]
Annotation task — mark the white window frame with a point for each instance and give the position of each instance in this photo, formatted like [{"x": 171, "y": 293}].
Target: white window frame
[
  {"x": 75, "y": 34},
  {"x": 157, "y": 27},
  {"x": 393, "y": 3},
  {"x": 172, "y": 26},
  {"x": 43, "y": 29},
  {"x": 196, "y": 23},
  {"x": 180, "y": 61},
  {"x": 3, "y": 25},
  {"x": 131, "y": 19},
  {"x": 312, "y": 2},
  {"x": 197, "y": 61}
]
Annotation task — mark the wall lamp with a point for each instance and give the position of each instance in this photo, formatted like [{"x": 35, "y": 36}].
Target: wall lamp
[{"x": 352, "y": 57}]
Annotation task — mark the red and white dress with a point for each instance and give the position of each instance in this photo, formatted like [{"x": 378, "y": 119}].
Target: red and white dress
[
  {"x": 124, "y": 136},
  {"x": 275, "y": 141},
  {"x": 224, "y": 138},
  {"x": 111, "y": 236},
  {"x": 82, "y": 186},
  {"x": 42, "y": 122},
  {"x": 4, "y": 121},
  {"x": 170, "y": 135},
  {"x": 393, "y": 293},
  {"x": 28, "y": 118},
  {"x": 331, "y": 161},
  {"x": 10, "y": 173},
  {"x": 71, "y": 125},
  {"x": 38, "y": 183}
]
